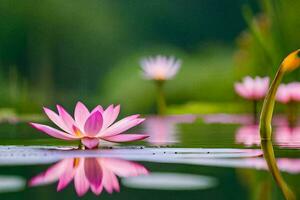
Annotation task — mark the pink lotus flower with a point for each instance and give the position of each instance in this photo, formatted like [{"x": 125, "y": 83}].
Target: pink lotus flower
[
  {"x": 160, "y": 68},
  {"x": 248, "y": 135},
  {"x": 91, "y": 127},
  {"x": 288, "y": 93},
  {"x": 252, "y": 88},
  {"x": 94, "y": 173}
]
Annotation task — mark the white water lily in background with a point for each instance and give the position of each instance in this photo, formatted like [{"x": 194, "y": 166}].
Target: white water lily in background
[{"x": 160, "y": 68}]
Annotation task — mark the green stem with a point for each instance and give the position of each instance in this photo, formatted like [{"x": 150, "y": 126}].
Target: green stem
[
  {"x": 266, "y": 135},
  {"x": 81, "y": 146},
  {"x": 269, "y": 156},
  {"x": 161, "y": 101},
  {"x": 268, "y": 107},
  {"x": 290, "y": 63}
]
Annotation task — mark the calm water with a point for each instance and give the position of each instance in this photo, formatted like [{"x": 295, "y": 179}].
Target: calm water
[{"x": 185, "y": 157}]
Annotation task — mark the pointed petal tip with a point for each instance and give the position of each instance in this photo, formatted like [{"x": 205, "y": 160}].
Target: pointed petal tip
[
  {"x": 118, "y": 107},
  {"x": 45, "y": 108},
  {"x": 79, "y": 102},
  {"x": 33, "y": 125},
  {"x": 59, "y": 187},
  {"x": 30, "y": 183},
  {"x": 58, "y": 106},
  {"x": 141, "y": 120},
  {"x": 144, "y": 137}
]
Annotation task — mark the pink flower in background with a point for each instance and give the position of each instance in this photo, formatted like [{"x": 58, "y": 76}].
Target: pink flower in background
[
  {"x": 288, "y": 93},
  {"x": 252, "y": 88},
  {"x": 89, "y": 173},
  {"x": 286, "y": 136},
  {"x": 160, "y": 67},
  {"x": 91, "y": 127},
  {"x": 248, "y": 135}
]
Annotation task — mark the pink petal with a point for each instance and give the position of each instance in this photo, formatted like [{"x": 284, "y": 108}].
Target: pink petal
[
  {"x": 67, "y": 176},
  {"x": 53, "y": 132},
  {"x": 93, "y": 172},
  {"x": 98, "y": 108},
  {"x": 123, "y": 168},
  {"x": 51, "y": 175},
  {"x": 115, "y": 182},
  {"x": 240, "y": 90},
  {"x": 81, "y": 114},
  {"x": 122, "y": 125},
  {"x": 125, "y": 137},
  {"x": 93, "y": 124},
  {"x": 114, "y": 115},
  {"x": 90, "y": 143},
  {"x": 110, "y": 181},
  {"x": 80, "y": 181},
  {"x": 56, "y": 119},
  {"x": 66, "y": 117},
  {"x": 98, "y": 190},
  {"x": 110, "y": 115}
]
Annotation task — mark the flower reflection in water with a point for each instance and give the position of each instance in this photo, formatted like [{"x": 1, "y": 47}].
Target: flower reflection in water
[
  {"x": 288, "y": 165},
  {"x": 286, "y": 136},
  {"x": 162, "y": 129},
  {"x": 94, "y": 173},
  {"x": 248, "y": 135},
  {"x": 227, "y": 119}
]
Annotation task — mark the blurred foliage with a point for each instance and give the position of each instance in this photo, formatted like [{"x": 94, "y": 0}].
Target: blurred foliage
[
  {"x": 55, "y": 51},
  {"x": 194, "y": 82},
  {"x": 271, "y": 35},
  {"x": 61, "y": 51},
  {"x": 207, "y": 108}
]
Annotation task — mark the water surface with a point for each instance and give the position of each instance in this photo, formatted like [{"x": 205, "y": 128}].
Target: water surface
[{"x": 185, "y": 157}]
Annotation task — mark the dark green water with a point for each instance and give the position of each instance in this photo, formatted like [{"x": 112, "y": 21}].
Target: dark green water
[{"x": 184, "y": 158}]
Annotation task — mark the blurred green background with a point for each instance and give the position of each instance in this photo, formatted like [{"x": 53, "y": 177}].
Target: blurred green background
[
  {"x": 62, "y": 51},
  {"x": 55, "y": 51}
]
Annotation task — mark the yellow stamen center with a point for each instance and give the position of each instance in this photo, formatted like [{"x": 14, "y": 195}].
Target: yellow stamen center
[{"x": 76, "y": 162}]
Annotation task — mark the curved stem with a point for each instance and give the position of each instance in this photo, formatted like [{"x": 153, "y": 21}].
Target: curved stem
[
  {"x": 291, "y": 62},
  {"x": 268, "y": 107},
  {"x": 269, "y": 156}
]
